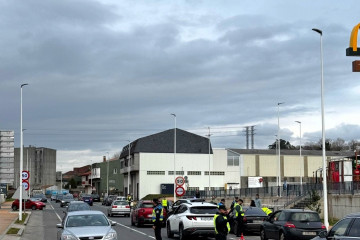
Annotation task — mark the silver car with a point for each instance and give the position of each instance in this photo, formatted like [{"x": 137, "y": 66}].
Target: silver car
[
  {"x": 86, "y": 225},
  {"x": 119, "y": 208}
]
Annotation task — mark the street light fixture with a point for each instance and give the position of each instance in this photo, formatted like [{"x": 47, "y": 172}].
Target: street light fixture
[
  {"x": 302, "y": 163},
  {"x": 107, "y": 175},
  {"x": 279, "y": 141},
  {"x": 21, "y": 152},
  {"x": 129, "y": 161},
  {"x": 173, "y": 114},
  {"x": 326, "y": 220}
]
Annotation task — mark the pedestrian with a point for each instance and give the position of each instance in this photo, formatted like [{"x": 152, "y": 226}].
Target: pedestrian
[
  {"x": 221, "y": 224},
  {"x": 157, "y": 218},
  {"x": 239, "y": 219},
  {"x": 285, "y": 185},
  {"x": 197, "y": 194},
  {"x": 222, "y": 202},
  {"x": 164, "y": 203},
  {"x": 258, "y": 201},
  {"x": 213, "y": 200},
  {"x": 252, "y": 203},
  {"x": 129, "y": 199}
]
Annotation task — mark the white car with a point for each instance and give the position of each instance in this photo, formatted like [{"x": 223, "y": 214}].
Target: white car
[
  {"x": 192, "y": 219},
  {"x": 119, "y": 208},
  {"x": 121, "y": 198}
]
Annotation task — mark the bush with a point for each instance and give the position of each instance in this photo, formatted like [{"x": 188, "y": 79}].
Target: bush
[{"x": 314, "y": 204}]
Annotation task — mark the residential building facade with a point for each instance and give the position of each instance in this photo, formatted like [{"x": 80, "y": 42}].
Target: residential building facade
[{"x": 7, "y": 157}]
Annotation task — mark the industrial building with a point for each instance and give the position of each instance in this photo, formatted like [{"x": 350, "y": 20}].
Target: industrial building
[{"x": 7, "y": 157}]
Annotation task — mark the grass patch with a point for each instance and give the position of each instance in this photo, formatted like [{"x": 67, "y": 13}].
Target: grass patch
[
  {"x": 9, "y": 200},
  {"x": 24, "y": 215},
  {"x": 13, "y": 231}
]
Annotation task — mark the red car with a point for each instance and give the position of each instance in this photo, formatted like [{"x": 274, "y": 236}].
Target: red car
[
  {"x": 142, "y": 213},
  {"x": 28, "y": 205}
]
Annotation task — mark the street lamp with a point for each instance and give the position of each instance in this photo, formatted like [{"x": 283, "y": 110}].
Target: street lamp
[
  {"x": 129, "y": 168},
  {"x": 302, "y": 163},
  {"x": 107, "y": 175},
  {"x": 21, "y": 152},
  {"x": 173, "y": 114},
  {"x": 279, "y": 141},
  {"x": 209, "y": 158},
  {"x": 326, "y": 220}
]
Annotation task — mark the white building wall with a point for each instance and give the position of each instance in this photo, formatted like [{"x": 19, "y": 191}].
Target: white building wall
[{"x": 292, "y": 166}]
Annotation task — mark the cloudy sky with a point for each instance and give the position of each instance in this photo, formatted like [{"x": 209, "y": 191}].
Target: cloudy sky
[{"x": 102, "y": 72}]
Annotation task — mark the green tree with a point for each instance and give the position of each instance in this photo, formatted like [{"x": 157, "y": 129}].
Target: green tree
[
  {"x": 283, "y": 145},
  {"x": 71, "y": 183}
]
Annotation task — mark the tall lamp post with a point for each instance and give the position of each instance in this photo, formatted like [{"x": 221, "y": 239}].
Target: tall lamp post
[
  {"x": 279, "y": 142},
  {"x": 129, "y": 161},
  {"x": 173, "y": 114},
  {"x": 21, "y": 153},
  {"x": 107, "y": 175},
  {"x": 209, "y": 158},
  {"x": 326, "y": 220},
  {"x": 301, "y": 162}
]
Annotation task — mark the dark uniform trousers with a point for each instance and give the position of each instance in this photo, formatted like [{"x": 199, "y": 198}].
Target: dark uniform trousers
[
  {"x": 220, "y": 236},
  {"x": 239, "y": 226},
  {"x": 158, "y": 232}
]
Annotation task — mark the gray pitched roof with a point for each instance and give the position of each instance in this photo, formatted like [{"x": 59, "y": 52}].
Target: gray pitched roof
[
  {"x": 163, "y": 142},
  {"x": 293, "y": 152}
]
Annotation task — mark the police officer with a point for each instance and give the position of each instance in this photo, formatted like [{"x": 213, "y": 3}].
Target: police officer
[
  {"x": 233, "y": 204},
  {"x": 164, "y": 203},
  {"x": 129, "y": 199},
  {"x": 221, "y": 203},
  {"x": 221, "y": 224},
  {"x": 239, "y": 218},
  {"x": 157, "y": 218}
]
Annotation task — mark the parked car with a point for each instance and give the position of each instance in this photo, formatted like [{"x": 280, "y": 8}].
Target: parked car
[
  {"x": 95, "y": 197},
  {"x": 108, "y": 200},
  {"x": 59, "y": 197},
  {"x": 185, "y": 200},
  {"x": 292, "y": 224},
  {"x": 66, "y": 200},
  {"x": 42, "y": 197},
  {"x": 345, "y": 229},
  {"x": 142, "y": 213},
  {"x": 88, "y": 199},
  {"x": 253, "y": 219},
  {"x": 119, "y": 208},
  {"x": 192, "y": 220},
  {"x": 86, "y": 225},
  {"x": 28, "y": 205}
]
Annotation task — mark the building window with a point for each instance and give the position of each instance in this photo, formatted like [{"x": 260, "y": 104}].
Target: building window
[
  {"x": 177, "y": 173},
  {"x": 122, "y": 164},
  {"x": 193, "y": 173},
  {"x": 115, "y": 171},
  {"x": 214, "y": 188},
  {"x": 232, "y": 159},
  {"x": 214, "y": 173},
  {"x": 155, "y": 172},
  {"x": 193, "y": 188}
]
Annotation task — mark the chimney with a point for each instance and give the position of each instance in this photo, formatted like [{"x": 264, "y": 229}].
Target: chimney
[{"x": 104, "y": 158}]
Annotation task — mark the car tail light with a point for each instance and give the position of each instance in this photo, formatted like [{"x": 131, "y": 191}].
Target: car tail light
[
  {"x": 127, "y": 206},
  {"x": 244, "y": 219},
  {"x": 114, "y": 206},
  {"x": 289, "y": 225},
  {"x": 323, "y": 226},
  {"x": 90, "y": 199},
  {"x": 191, "y": 217}
]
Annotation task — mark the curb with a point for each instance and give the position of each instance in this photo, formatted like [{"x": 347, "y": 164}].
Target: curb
[
  {"x": 27, "y": 219},
  {"x": 14, "y": 225}
]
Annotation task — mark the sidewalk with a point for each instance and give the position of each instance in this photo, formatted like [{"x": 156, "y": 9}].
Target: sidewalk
[{"x": 7, "y": 217}]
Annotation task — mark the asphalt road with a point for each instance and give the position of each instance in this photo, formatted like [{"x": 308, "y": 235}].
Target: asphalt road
[{"x": 43, "y": 225}]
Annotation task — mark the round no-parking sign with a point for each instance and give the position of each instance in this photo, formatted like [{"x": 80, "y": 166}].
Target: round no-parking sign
[
  {"x": 25, "y": 185},
  {"x": 180, "y": 191}
]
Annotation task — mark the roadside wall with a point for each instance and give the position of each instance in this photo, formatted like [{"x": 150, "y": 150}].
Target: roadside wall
[{"x": 341, "y": 205}]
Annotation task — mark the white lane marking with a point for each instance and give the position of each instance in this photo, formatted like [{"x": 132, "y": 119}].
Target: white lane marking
[
  {"x": 132, "y": 229},
  {"x": 55, "y": 211}
]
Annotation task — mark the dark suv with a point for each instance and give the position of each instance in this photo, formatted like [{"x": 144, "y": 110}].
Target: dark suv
[
  {"x": 291, "y": 224},
  {"x": 345, "y": 229}
]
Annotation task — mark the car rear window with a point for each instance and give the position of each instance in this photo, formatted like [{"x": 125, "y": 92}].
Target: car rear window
[
  {"x": 120, "y": 203},
  {"x": 253, "y": 211},
  {"x": 305, "y": 217},
  {"x": 204, "y": 210},
  {"x": 147, "y": 205}
]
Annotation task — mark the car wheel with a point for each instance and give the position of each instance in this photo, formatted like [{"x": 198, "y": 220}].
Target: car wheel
[
  {"x": 181, "y": 233},
  {"x": 14, "y": 208},
  {"x": 41, "y": 208},
  {"x": 282, "y": 236},
  {"x": 168, "y": 231},
  {"x": 263, "y": 235},
  {"x": 33, "y": 207}
]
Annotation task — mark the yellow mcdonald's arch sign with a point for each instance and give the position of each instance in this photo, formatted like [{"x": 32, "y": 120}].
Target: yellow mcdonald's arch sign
[{"x": 353, "y": 48}]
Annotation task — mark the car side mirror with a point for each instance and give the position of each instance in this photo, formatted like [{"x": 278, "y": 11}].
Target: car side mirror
[
  {"x": 323, "y": 234},
  {"x": 113, "y": 223},
  {"x": 59, "y": 225}
]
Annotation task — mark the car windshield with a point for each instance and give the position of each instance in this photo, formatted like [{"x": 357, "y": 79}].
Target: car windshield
[
  {"x": 87, "y": 220},
  {"x": 78, "y": 207},
  {"x": 147, "y": 205},
  {"x": 305, "y": 217},
  {"x": 204, "y": 210},
  {"x": 120, "y": 203},
  {"x": 253, "y": 211}
]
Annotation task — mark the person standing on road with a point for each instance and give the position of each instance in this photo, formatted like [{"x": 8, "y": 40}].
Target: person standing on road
[
  {"x": 221, "y": 224},
  {"x": 233, "y": 204},
  {"x": 164, "y": 203},
  {"x": 221, "y": 203},
  {"x": 239, "y": 219},
  {"x": 157, "y": 218},
  {"x": 129, "y": 199},
  {"x": 257, "y": 201}
]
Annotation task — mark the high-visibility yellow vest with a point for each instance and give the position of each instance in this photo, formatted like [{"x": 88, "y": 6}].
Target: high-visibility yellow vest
[
  {"x": 266, "y": 210},
  {"x": 241, "y": 209},
  {"x": 164, "y": 203},
  {"x": 227, "y": 224},
  {"x": 161, "y": 214}
]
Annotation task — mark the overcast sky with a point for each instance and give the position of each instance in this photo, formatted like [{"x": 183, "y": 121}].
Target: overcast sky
[{"x": 103, "y": 72}]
